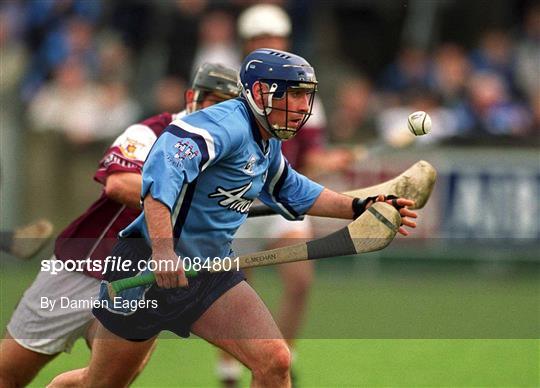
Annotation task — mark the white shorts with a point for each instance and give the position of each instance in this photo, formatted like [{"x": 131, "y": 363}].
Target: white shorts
[
  {"x": 256, "y": 234},
  {"x": 48, "y": 329}
]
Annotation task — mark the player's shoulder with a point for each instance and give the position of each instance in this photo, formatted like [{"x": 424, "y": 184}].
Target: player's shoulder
[
  {"x": 148, "y": 129},
  {"x": 137, "y": 133},
  {"x": 226, "y": 120},
  {"x": 226, "y": 114},
  {"x": 134, "y": 143},
  {"x": 232, "y": 116},
  {"x": 158, "y": 122}
]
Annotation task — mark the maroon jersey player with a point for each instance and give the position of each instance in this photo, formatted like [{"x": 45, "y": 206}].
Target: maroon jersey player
[{"x": 57, "y": 308}]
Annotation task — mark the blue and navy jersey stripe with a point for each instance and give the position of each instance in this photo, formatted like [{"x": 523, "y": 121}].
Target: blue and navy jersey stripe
[
  {"x": 276, "y": 192},
  {"x": 184, "y": 209}
]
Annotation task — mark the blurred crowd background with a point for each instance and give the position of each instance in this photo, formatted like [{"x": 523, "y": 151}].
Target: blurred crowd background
[{"x": 76, "y": 73}]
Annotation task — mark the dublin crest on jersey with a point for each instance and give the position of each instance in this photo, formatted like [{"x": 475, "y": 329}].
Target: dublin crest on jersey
[
  {"x": 185, "y": 150},
  {"x": 233, "y": 198}
]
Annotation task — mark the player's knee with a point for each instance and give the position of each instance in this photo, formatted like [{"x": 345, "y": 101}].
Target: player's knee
[
  {"x": 73, "y": 378},
  {"x": 113, "y": 379},
  {"x": 281, "y": 360},
  {"x": 275, "y": 360}
]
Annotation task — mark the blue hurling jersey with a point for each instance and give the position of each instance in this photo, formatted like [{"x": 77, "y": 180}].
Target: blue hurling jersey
[{"x": 207, "y": 168}]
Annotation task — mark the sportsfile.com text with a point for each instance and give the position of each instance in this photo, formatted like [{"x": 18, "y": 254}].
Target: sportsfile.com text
[{"x": 114, "y": 263}]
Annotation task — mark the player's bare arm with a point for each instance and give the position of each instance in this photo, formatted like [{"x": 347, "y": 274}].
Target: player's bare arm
[
  {"x": 124, "y": 187},
  {"x": 336, "y": 205},
  {"x": 158, "y": 220}
]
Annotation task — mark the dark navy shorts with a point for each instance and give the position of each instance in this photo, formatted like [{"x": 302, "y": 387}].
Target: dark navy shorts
[{"x": 164, "y": 309}]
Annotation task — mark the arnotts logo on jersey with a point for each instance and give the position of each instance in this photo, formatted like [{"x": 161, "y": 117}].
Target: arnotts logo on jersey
[
  {"x": 233, "y": 198},
  {"x": 248, "y": 168},
  {"x": 185, "y": 150}
]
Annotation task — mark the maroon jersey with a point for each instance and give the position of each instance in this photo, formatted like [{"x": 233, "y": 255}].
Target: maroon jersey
[
  {"x": 310, "y": 138},
  {"x": 93, "y": 234}
]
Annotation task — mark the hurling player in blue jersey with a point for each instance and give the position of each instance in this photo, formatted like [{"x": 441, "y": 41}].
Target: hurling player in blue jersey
[{"x": 199, "y": 181}]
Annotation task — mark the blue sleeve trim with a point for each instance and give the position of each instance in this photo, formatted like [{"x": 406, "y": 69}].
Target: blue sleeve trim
[{"x": 277, "y": 190}]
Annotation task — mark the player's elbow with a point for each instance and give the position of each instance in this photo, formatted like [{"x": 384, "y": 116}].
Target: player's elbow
[
  {"x": 114, "y": 188},
  {"x": 125, "y": 189}
]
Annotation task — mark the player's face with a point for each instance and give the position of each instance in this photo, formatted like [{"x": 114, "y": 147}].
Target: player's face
[
  {"x": 290, "y": 111},
  {"x": 211, "y": 99}
]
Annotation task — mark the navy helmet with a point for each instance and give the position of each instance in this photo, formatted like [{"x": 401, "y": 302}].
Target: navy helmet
[{"x": 281, "y": 72}]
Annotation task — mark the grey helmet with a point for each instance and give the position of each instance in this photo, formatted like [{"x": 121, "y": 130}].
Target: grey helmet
[{"x": 217, "y": 79}]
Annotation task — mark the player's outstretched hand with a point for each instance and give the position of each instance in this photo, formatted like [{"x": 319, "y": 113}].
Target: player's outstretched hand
[
  {"x": 402, "y": 205},
  {"x": 168, "y": 270}
]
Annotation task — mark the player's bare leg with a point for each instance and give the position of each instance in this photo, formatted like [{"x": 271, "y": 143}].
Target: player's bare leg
[
  {"x": 75, "y": 378},
  {"x": 240, "y": 323},
  {"x": 114, "y": 362},
  {"x": 91, "y": 335},
  {"x": 229, "y": 370},
  {"x": 297, "y": 279},
  {"x": 18, "y": 365}
]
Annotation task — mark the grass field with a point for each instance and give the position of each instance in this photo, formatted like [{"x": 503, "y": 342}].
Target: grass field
[{"x": 392, "y": 325}]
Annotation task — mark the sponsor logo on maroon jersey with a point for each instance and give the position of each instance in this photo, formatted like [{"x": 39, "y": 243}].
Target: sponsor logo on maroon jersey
[{"x": 113, "y": 158}]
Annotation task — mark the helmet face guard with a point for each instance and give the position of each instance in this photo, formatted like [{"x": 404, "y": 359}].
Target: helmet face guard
[
  {"x": 282, "y": 73},
  {"x": 275, "y": 92}
]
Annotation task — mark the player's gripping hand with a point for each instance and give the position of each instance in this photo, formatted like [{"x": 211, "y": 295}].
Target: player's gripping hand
[
  {"x": 168, "y": 271},
  {"x": 401, "y": 204}
]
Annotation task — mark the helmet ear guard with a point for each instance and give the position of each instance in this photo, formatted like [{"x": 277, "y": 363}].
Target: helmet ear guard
[{"x": 266, "y": 108}]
